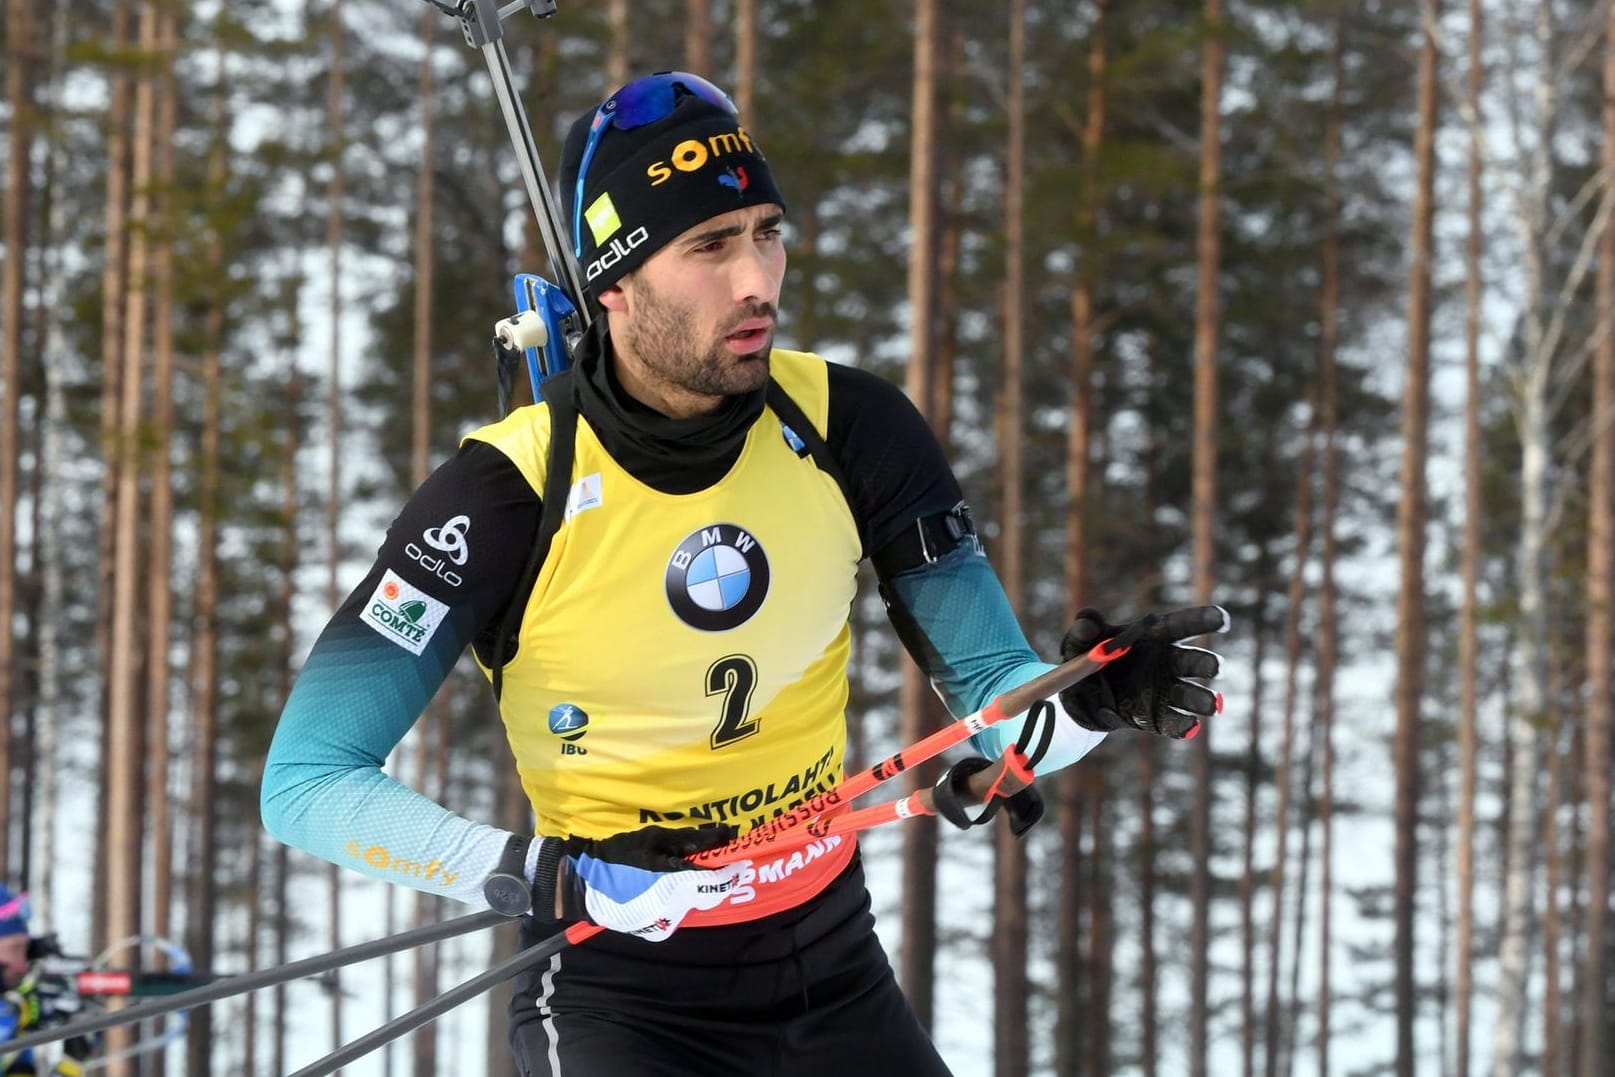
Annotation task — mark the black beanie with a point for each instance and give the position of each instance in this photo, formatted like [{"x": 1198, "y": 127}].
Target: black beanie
[{"x": 648, "y": 184}]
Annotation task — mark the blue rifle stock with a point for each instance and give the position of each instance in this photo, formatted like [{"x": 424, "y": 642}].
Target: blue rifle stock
[{"x": 562, "y": 307}]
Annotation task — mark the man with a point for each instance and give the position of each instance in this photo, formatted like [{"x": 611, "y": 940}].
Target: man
[
  {"x": 26, "y": 1002},
  {"x": 669, "y": 642}
]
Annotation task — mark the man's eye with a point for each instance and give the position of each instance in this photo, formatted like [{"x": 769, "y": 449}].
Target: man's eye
[{"x": 770, "y": 233}]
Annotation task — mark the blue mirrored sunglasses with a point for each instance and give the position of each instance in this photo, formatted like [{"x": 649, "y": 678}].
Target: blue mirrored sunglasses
[{"x": 641, "y": 102}]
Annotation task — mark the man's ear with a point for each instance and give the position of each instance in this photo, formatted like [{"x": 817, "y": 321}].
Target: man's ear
[{"x": 613, "y": 300}]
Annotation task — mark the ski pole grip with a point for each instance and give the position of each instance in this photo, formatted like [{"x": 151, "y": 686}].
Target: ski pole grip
[{"x": 1064, "y": 675}]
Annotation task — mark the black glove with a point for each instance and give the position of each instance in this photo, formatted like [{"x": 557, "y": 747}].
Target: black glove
[
  {"x": 655, "y": 848},
  {"x": 1147, "y": 687}
]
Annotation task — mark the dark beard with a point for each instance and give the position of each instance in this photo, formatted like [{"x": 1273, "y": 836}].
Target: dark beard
[
  {"x": 663, "y": 336},
  {"x": 675, "y": 456}
]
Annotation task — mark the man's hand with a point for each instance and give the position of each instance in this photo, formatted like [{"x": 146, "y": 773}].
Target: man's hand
[
  {"x": 640, "y": 883},
  {"x": 1150, "y": 687}
]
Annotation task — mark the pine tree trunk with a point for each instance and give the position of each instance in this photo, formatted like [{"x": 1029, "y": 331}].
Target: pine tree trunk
[
  {"x": 1253, "y": 783},
  {"x": 281, "y": 930},
  {"x": 54, "y": 312},
  {"x": 1148, "y": 1047},
  {"x": 1101, "y": 928},
  {"x": 515, "y": 815},
  {"x": 1309, "y": 815},
  {"x": 160, "y": 569},
  {"x": 1410, "y": 527},
  {"x": 1469, "y": 569},
  {"x": 205, "y": 662},
  {"x": 1294, "y": 598},
  {"x": 425, "y": 263},
  {"x": 24, "y": 761},
  {"x": 289, "y": 553},
  {"x": 917, "y": 960},
  {"x": 1010, "y": 981},
  {"x": 1148, "y": 765},
  {"x": 1072, "y": 1014},
  {"x": 1328, "y": 345},
  {"x": 249, "y": 1005},
  {"x": 1594, "y": 1003},
  {"x": 123, "y": 750},
  {"x": 951, "y": 224},
  {"x": 20, "y": 67},
  {"x": 698, "y": 37},
  {"x": 947, "y": 332},
  {"x": 1208, "y": 260},
  {"x": 429, "y": 731},
  {"x": 1071, "y": 1024},
  {"x": 424, "y": 1055},
  {"x": 336, "y": 193},
  {"x": 114, "y": 295},
  {"x": 1534, "y": 422},
  {"x": 617, "y": 52},
  {"x": 746, "y": 60},
  {"x": 1441, "y": 995},
  {"x": 1575, "y": 915},
  {"x": 1552, "y": 993}
]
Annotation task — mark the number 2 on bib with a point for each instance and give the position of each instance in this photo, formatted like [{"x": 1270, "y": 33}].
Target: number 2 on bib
[{"x": 732, "y": 678}]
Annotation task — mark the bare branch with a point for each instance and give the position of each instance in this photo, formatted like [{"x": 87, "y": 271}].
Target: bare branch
[
  {"x": 1579, "y": 439},
  {"x": 1589, "y": 37},
  {"x": 1578, "y": 273}
]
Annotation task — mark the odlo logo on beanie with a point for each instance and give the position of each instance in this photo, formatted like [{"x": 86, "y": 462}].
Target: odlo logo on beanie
[
  {"x": 604, "y": 224},
  {"x": 619, "y": 248}
]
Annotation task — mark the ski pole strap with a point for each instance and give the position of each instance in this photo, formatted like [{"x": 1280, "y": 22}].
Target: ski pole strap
[
  {"x": 949, "y": 794},
  {"x": 1009, "y": 787}
]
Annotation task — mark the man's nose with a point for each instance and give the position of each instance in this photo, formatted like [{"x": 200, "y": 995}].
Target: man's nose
[{"x": 753, "y": 278}]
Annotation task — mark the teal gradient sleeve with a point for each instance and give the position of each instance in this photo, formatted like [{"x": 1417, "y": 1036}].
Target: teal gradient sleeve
[
  {"x": 324, "y": 789},
  {"x": 957, "y": 622},
  {"x": 446, "y": 566}
]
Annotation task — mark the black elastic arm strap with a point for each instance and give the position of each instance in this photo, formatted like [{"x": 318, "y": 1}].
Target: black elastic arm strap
[
  {"x": 1023, "y": 808},
  {"x": 948, "y": 795},
  {"x": 560, "y": 396},
  {"x": 926, "y": 541},
  {"x": 1038, "y": 725},
  {"x": 793, "y": 416}
]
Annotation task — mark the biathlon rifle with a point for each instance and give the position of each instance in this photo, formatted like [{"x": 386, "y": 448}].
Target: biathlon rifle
[{"x": 551, "y": 315}]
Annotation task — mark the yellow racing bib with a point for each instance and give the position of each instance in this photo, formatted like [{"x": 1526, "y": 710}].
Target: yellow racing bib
[{"x": 682, "y": 658}]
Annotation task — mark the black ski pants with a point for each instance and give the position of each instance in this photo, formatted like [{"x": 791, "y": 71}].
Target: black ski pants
[{"x": 803, "y": 993}]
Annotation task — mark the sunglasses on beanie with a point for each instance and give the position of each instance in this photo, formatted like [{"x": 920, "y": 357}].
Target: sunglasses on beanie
[{"x": 641, "y": 102}]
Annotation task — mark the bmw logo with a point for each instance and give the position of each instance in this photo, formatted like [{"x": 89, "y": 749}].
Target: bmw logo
[
  {"x": 717, "y": 578},
  {"x": 568, "y": 721}
]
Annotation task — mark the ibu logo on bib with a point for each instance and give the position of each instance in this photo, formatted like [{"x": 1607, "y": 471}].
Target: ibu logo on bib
[
  {"x": 569, "y": 722},
  {"x": 717, "y": 578}
]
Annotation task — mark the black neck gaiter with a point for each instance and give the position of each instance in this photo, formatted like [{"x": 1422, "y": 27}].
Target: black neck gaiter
[{"x": 675, "y": 456}]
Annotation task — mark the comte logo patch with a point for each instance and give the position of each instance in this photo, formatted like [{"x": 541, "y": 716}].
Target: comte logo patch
[
  {"x": 404, "y": 614},
  {"x": 717, "y": 578}
]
